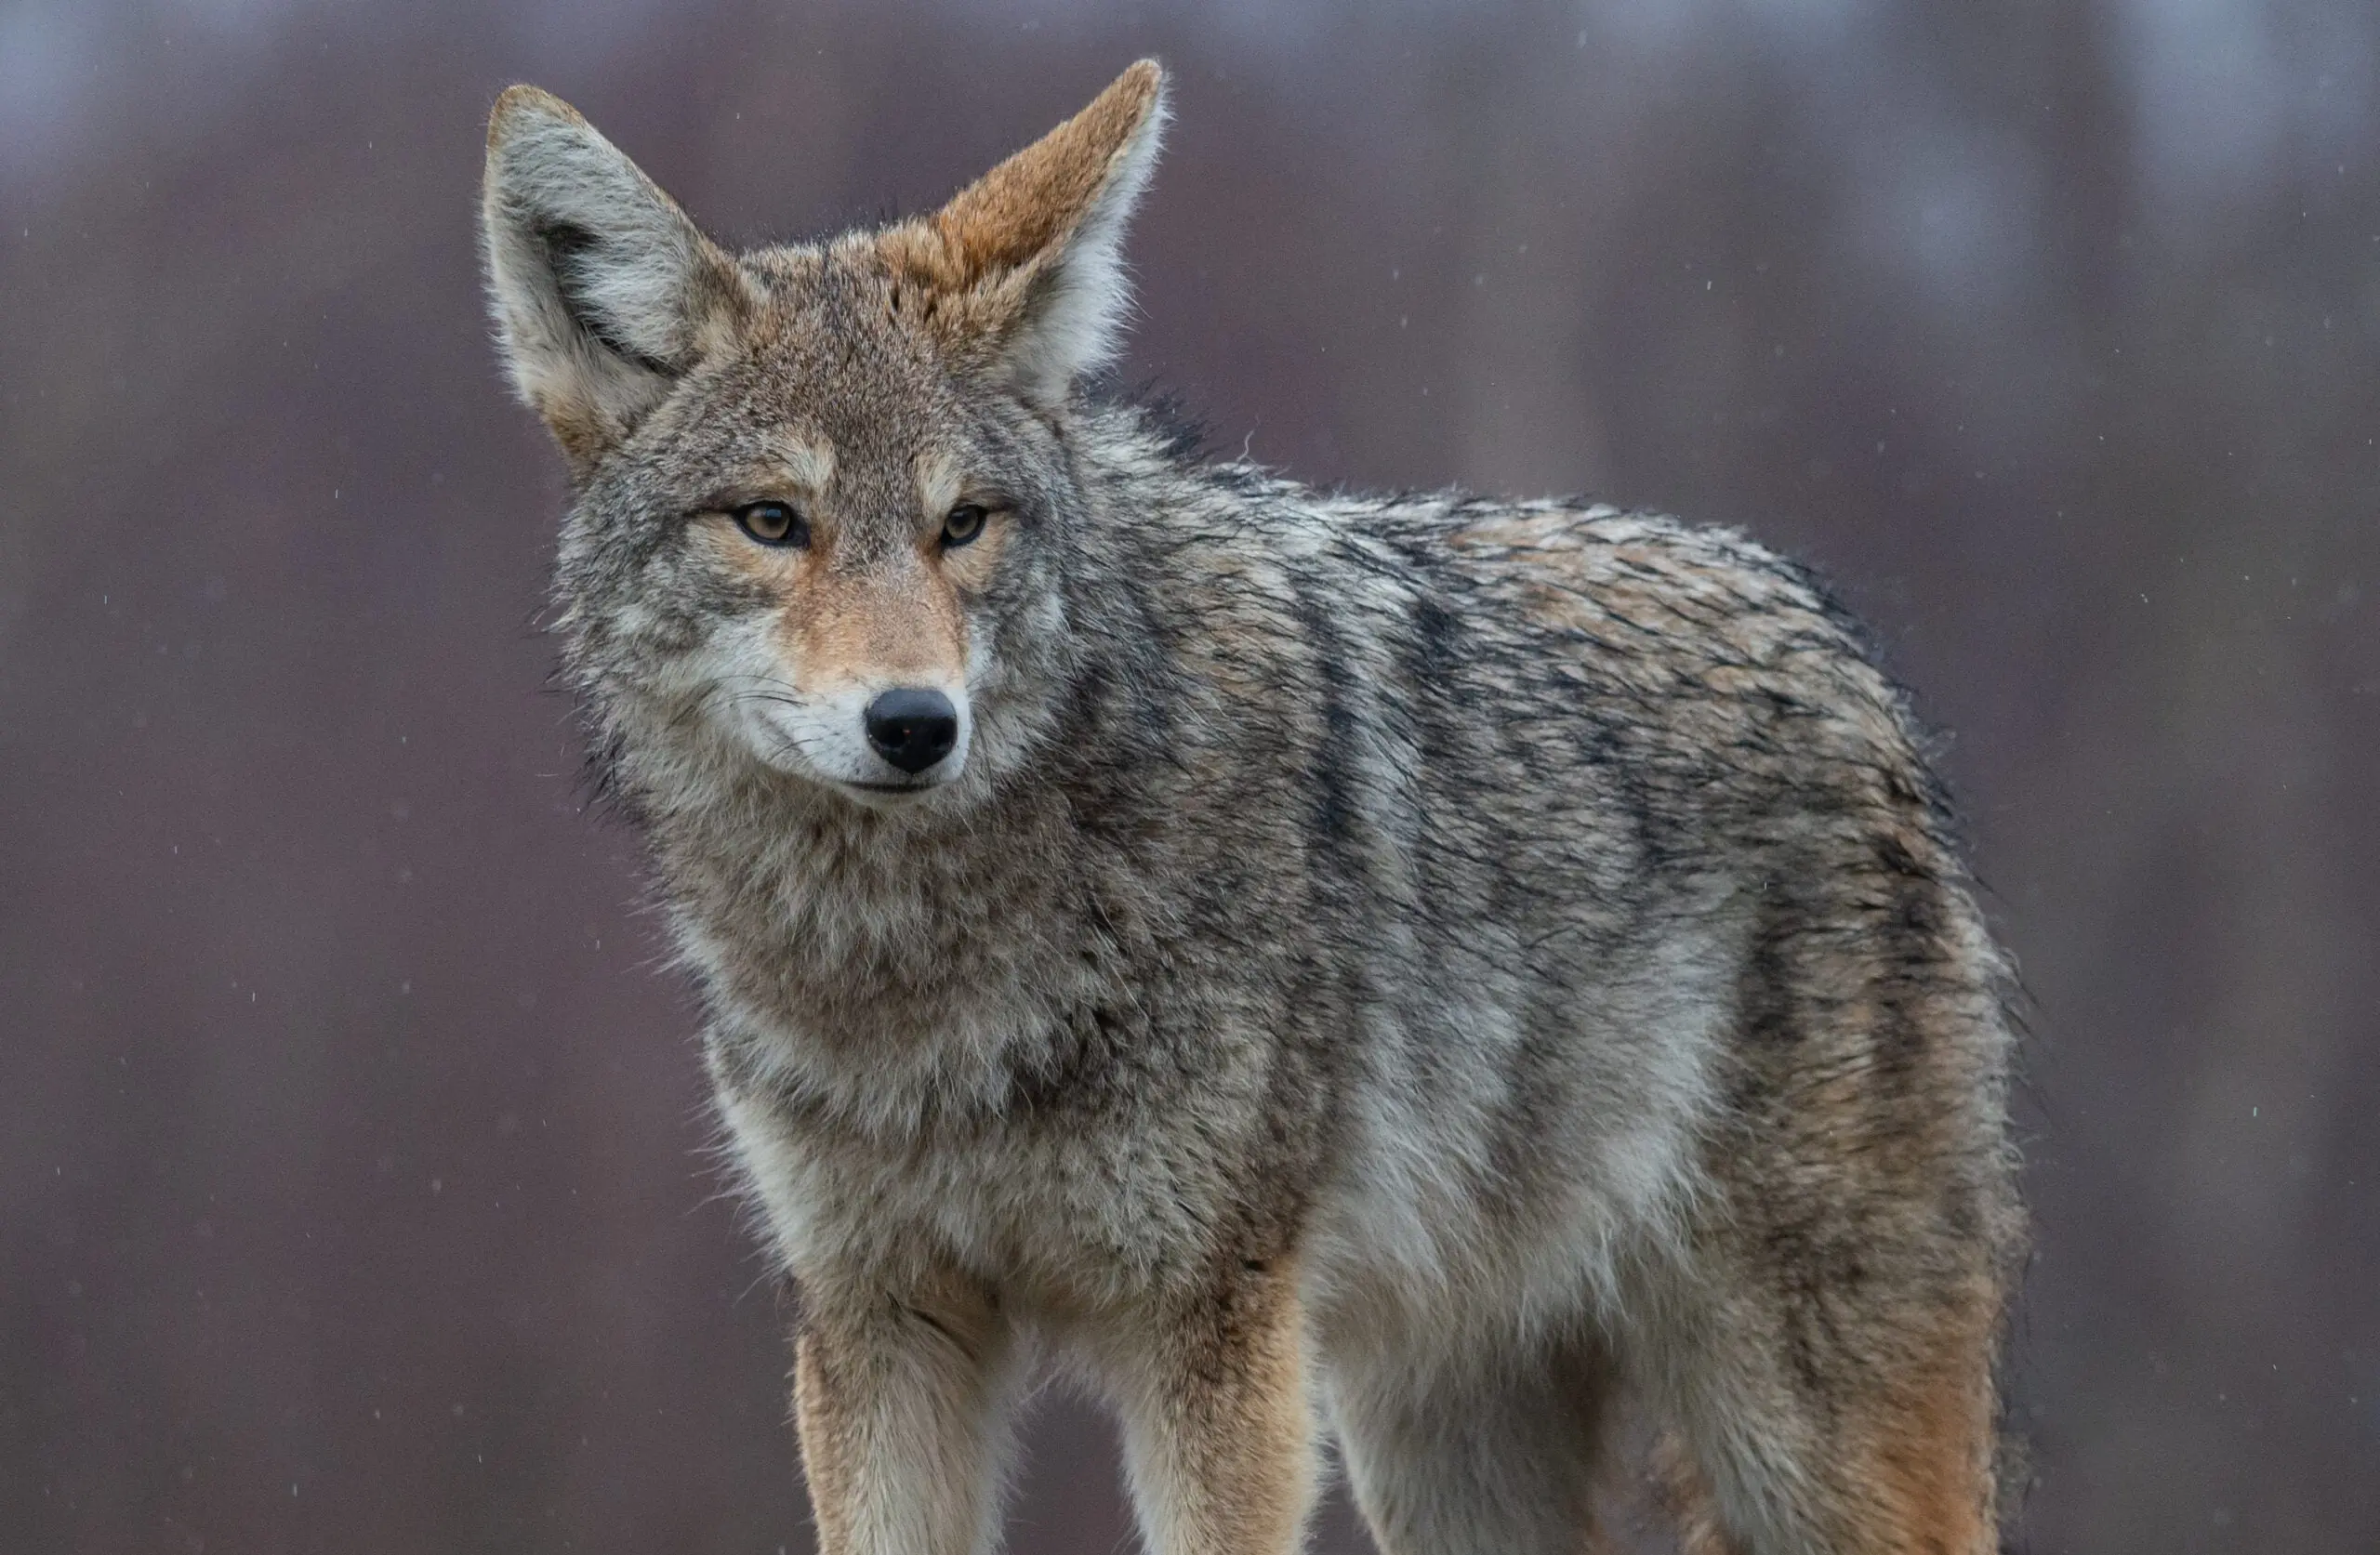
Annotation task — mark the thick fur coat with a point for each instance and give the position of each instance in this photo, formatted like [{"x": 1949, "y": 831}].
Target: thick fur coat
[{"x": 1396, "y": 969}]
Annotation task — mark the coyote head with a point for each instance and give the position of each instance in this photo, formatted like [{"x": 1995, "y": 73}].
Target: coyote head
[{"x": 821, "y": 490}]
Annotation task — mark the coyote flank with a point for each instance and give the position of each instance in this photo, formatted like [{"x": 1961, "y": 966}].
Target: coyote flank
[{"x": 1402, "y": 967}]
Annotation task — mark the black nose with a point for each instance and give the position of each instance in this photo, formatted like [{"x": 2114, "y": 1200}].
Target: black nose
[{"x": 912, "y": 728}]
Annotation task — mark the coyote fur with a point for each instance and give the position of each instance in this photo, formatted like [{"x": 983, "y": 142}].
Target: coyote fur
[{"x": 1394, "y": 970}]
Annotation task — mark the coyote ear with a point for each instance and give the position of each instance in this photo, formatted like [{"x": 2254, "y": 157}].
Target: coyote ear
[
  {"x": 603, "y": 291},
  {"x": 1035, "y": 245}
]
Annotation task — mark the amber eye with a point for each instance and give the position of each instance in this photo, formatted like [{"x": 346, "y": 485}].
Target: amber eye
[
  {"x": 773, "y": 523},
  {"x": 963, "y": 524}
]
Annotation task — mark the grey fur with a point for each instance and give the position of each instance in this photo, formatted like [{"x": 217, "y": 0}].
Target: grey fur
[{"x": 1527, "y": 938}]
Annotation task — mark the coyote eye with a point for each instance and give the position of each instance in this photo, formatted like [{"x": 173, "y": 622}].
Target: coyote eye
[
  {"x": 773, "y": 523},
  {"x": 963, "y": 524}
]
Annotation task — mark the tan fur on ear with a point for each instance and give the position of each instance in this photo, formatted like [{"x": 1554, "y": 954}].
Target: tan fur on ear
[
  {"x": 1033, "y": 247},
  {"x": 1038, "y": 196}
]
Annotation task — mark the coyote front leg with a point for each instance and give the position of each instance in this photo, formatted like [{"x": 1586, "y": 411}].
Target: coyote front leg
[
  {"x": 902, "y": 1402},
  {"x": 1217, "y": 1420}
]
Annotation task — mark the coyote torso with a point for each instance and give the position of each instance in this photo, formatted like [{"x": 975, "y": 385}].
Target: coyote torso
[{"x": 1407, "y": 967}]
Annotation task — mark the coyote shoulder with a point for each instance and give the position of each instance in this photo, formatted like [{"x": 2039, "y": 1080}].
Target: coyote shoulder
[{"x": 1400, "y": 970}]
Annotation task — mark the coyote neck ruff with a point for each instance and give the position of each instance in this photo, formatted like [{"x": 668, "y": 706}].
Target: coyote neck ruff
[{"x": 1404, "y": 969}]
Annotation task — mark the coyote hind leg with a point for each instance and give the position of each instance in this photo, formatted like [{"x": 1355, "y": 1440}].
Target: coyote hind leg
[{"x": 1843, "y": 1439}]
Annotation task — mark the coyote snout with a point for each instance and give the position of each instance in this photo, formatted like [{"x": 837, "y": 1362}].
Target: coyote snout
[
  {"x": 876, "y": 731},
  {"x": 871, "y": 742}
]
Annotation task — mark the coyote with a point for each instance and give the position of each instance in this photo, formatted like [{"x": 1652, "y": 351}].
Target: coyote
[{"x": 1391, "y": 970}]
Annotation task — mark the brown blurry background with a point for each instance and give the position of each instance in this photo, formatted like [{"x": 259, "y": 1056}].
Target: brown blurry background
[{"x": 352, "y": 1186}]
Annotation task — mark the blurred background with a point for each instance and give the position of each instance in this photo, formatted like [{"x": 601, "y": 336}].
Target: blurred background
[{"x": 352, "y": 1186}]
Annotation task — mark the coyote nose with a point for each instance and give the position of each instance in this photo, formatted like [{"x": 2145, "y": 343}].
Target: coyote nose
[{"x": 912, "y": 728}]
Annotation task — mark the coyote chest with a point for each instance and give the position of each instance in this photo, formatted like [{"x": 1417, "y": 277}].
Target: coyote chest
[
  {"x": 1053, "y": 1193},
  {"x": 1058, "y": 1220},
  {"x": 966, "y": 1065}
]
